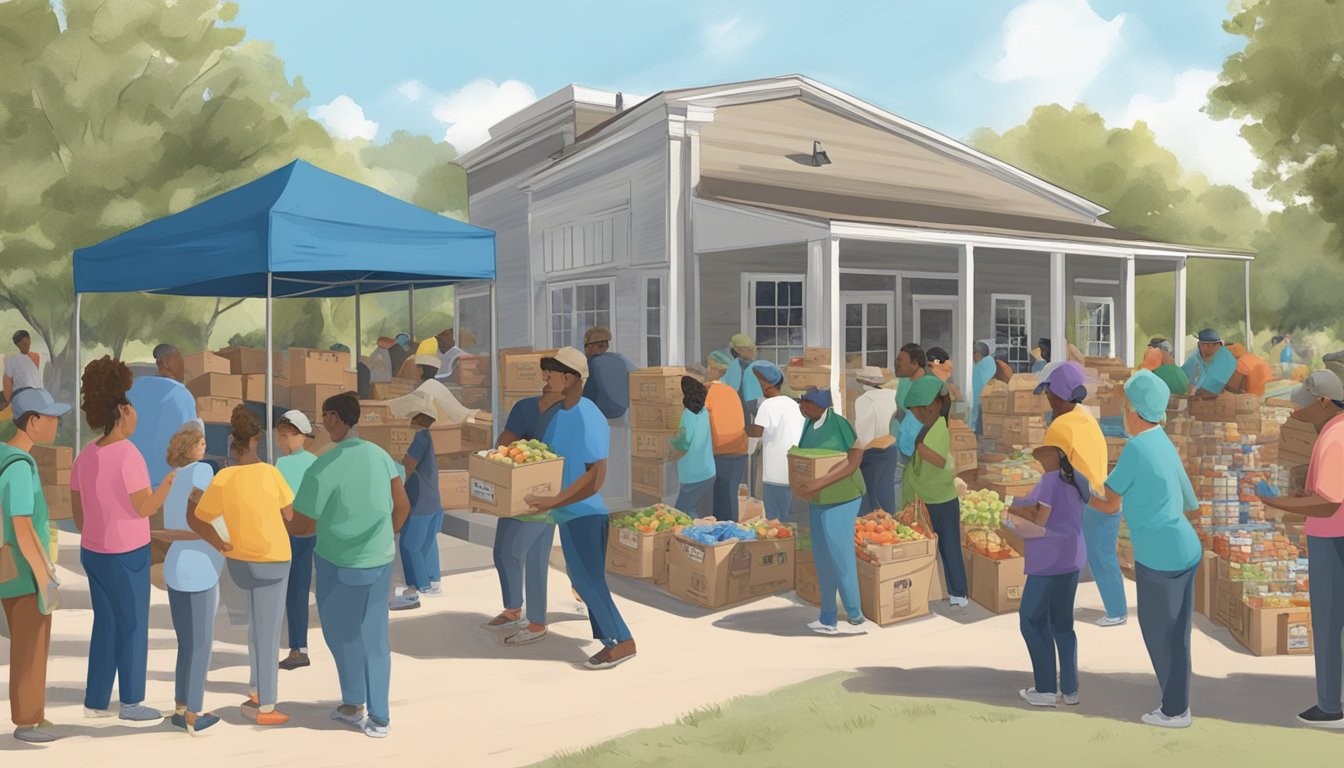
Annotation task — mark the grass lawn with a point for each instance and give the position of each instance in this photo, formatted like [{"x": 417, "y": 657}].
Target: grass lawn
[{"x": 817, "y": 722}]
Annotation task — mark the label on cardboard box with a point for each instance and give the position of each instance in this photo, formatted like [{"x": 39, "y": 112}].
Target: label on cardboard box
[
  {"x": 628, "y": 538},
  {"x": 483, "y": 490}
]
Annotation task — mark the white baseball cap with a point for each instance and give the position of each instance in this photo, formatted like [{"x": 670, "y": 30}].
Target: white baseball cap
[
  {"x": 1318, "y": 385},
  {"x": 300, "y": 421}
]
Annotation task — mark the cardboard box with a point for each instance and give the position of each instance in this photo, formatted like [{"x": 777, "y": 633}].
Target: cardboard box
[
  {"x": 963, "y": 438},
  {"x": 52, "y": 456},
  {"x": 818, "y": 357},
  {"x": 652, "y": 416},
  {"x": 1023, "y": 430},
  {"x": 453, "y": 461},
  {"x": 316, "y": 366},
  {"x": 652, "y": 444},
  {"x": 1220, "y": 408},
  {"x": 653, "y": 477},
  {"x": 396, "y": 440},
  {"x": 478, "y": 435},
  {"x": 1206, "y": 579},
  {"x": 1297, "y": 438},
  {"x": 477, "y": 398},
  {"x": 391, "y": 390},
  {"x": 244, "y": 361},
  {"x": 200, "y": 363},
  {"x": 805, "y": 469},
  {"x": 719, "y": 575},
  {"x": 498, "y": 489},
  {"x": 1258, "y": 628},
  {"x": 995, "y": 403},
  {"x": 509, "y": 399},
  {"x": 997, "y": 584},
  {"x": 636, "y": 554},
  {"x": 657, "y": 385},
  {"x": 993, "y": 427},
  {"x": 447, "y": 438},
  {"x": 216, "y": 410},
  {"x": 801, "y": 377},
  {"x": 1026, "y": 403},
  {"x": 805, "y": 583},
  {"x": 965, "y": 461},
  {"x": 308, "y": 398},
  {"x": 453, "y": 487},
  {"x": 1114, "y": 445},
  {"x": 53, "y": 476},
  {"x": 217, "y": 385},
  {"x": 59, "y": 506},
  {"x": 472, "y": 371},
  {"x": 896, "y": 591},
  {"x": 520, "y": 369},
  {"x": 1295, "y": 637},
  {"x": 377, "y": 413}
]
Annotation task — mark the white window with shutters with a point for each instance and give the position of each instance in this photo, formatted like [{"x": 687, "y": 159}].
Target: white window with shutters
[{"x": 595, "y": 241}]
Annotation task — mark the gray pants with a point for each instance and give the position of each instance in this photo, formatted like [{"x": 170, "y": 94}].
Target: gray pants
[
  {"x": 1326, "y": 571},
  {"x": 1166, "y": 606},
  {"x": 265, "y": 585},
  {"x": 194, "y": 622}
]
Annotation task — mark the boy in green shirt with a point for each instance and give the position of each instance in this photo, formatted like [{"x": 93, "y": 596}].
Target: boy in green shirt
[{"x": 929, "y": 478}]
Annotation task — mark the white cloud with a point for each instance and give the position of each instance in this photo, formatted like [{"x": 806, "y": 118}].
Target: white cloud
[
  {"x": 345, "y": 119},
  {"x": 470, "y": 111},
  {"x": 1054, "y": 49},
  {"x": 724, "y": 38},
  {"x": 413, "y": 90},
  {"x": 1203, "y": 144}
]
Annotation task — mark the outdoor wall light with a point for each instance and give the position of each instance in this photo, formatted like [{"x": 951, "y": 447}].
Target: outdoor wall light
[{"x": 819, "y": 157}]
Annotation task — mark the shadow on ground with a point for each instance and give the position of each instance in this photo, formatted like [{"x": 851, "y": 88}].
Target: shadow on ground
[
  {"x": 1240, "y": 698},
  {"x": 460, "y": 635}
]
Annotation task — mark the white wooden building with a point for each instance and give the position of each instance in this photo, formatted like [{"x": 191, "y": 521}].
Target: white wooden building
[{"x": 701, "y": 213}]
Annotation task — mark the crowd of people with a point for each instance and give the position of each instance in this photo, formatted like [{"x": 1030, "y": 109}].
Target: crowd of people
[{"x": 346, "y": 514}]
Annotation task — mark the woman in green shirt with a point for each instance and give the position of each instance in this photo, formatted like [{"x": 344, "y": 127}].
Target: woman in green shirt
[
  {"x": 833, "y": 521},
  {"x": 929, "y": 478}
]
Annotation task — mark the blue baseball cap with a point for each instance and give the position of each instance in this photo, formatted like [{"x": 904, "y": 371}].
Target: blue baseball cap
[
  {"x": 37, "y": 401},
  {"x": 402, "y": 339},
  {"x": 768, "y": 371},
  {"x": 1149, "y": 395},
  {"x": 818, "y": 397}
]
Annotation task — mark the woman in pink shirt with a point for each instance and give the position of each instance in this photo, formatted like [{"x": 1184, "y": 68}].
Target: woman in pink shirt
[
  {"x": 112, "y": 500},
  {"x": 1321, "y": 403}
]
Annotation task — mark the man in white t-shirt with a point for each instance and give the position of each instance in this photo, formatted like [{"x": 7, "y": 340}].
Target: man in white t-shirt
[
  {"x": 873, "y": 412},
  {"x": 779, "y": 424},
  {"x": 24, "y": 370}
]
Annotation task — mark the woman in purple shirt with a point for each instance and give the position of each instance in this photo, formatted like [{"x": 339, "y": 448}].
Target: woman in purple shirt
[{"x": 1054, "y": 560}]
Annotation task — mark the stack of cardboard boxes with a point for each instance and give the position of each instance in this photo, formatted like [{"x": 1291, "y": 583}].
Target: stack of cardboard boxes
[
  {"x": 814, "y": 370},
  {"x": 655, "y": 415},
  {"x": 315, "y": 375},
  {"x": 965, "y": 450},
  {"x": 473, "y": 381},
  {"x": 53, "y": 469},
  {"x": 519, "y": 376}
]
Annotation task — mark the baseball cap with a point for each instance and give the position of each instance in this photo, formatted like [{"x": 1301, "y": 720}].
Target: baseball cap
[
  {"x": 923, "y": 391},
  {"x": 871, "y": 374},
  {"x": 431, "y": 360},
  {"x": 768, "y": 371},
  {"x": 1157, "y": 342},
  {"x": 299, "y": 421},
  {"x": 1210, "y": 336},
  {"x": 1064, "y": 381},
  {"x": 403, "y": 338},
  {"x": 1149, "y": 395},
  {"x": 818, "y": 397},
  {"x": 572, "y": 359},
  {"x": 1319, "y": 384},
  {"x": 37, "y": 401},
  {"x": 596, "y": 334},
  {"x": 741, "y": 341}
]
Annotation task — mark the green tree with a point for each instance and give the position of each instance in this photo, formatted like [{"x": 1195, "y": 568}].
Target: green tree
[{"x": 1288, "y": 83}]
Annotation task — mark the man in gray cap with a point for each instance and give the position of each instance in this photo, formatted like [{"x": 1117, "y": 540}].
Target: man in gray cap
[{"x": 1211, "y": 366}]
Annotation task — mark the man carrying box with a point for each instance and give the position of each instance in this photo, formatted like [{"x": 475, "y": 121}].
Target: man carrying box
[
  {"x": 1211, "y": 366},
  {"x": 580, "y": 435},
  {"x": 163, "y": 405}
]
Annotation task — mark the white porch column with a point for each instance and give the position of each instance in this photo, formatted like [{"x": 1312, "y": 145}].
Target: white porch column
[
  {"x": 1059, "y": 340},
  {"x": 965, "y": 341},
  {"x": 1250, "y": 332},
  {"x": 1178, "y": 343},
  {"x": 835, "y": 329},
  {"x": 1130, "y": 324},
  {"x": 814, "y": 300}
]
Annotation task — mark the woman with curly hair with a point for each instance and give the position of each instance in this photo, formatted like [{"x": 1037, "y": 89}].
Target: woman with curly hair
[
  {"x": 255, "y": 502},
  {"x": 112, "y": 500}
]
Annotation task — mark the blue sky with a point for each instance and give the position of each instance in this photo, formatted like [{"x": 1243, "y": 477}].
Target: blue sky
[{"x": 450, "y": 69}]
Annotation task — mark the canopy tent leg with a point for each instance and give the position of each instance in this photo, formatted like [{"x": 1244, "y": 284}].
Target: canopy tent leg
[
  {"x": 1250, "y": 332},
  {"x": 358, "y": 330},
  {"x": 1178, "y": 343},
  {"x": 497, "y": 418},
  {"x": 270, "y": 376},
  {"x": 1059, "y": 339},
  {"x": 79, "y": 416},
  {"x": 1131, "y": 324},
  {"x": 410, "y": 312},
  {"x": 964, "y": 343}
]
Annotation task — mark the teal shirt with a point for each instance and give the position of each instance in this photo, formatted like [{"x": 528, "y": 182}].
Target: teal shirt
[
  {"x": 348, "y": 492},
  {"x": 1213, "y": 375},
  {"x": 694, "y": 440},
  {"x": 21, "y": 496},
  {"x": 293, "y": 467},
  {"x": 1157, "y": 494}
]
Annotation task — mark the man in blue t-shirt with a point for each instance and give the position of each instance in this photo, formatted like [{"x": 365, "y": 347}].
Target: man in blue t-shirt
[
  {"x": 608, "y": 387},
  {"x": 419, "y": 538},
  {"x": 162, "y": 405}
]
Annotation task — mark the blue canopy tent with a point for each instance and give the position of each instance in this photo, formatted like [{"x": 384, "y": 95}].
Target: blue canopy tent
[{"x": 297, "y": 232}]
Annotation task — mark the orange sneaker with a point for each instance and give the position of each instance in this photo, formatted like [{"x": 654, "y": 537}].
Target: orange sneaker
[{"x": 274, "y": 717}]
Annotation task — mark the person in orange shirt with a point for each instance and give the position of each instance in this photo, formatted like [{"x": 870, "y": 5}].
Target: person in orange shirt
[
  {"x": 1252, "y": 373},
  {"x": 728, "y": 436}
]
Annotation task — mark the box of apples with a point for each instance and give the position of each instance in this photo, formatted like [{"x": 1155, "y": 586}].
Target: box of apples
[
  {"x": 501, "y": 479},
  {"x": 638, "y": 541}
]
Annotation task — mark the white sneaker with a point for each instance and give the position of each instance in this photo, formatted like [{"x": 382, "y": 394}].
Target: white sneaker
[
  {"x": 958, "y": 602},
  {"x": 374, "y": 730},
  {"x": 355, "y": 719},
  {"x": 1107, "y": 621},
  {"x": 1036, "y": 699},
  {"x": 506, "y": 626},
  {"x": 526, "y": 637},
  {"x": 824, "y": 629},
  {"x": 434, "y": 589},
  {"x": 580, "y": 609},
  {"x": 98, "y": 714},
  {"x": 404, "y": 603},
  {"x": 1162, "y": 721},
  {"x": 1071, "y": 699}
]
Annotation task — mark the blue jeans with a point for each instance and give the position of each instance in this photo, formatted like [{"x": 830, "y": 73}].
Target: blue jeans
[
  {"x": 1166, "y": 606},
  {"x": 1326, "y": 572},
  {"x": 1101, "y": 532},
  {"x": 119, "y": 646},
  {"x": 584, "y": 542},
  {"x": 352, "y": 606},
  {"x": 432, "y": 553},
  {"x": 833, "y": 551},
  {"x": 194, "y": 623},
  {"x": 778, "y": 502},
  {"x": 415, "y": 541},
  {"x": 522, "y": 553},
  {"x": 690, "y": 495},
  {"x": 946, "y": 519},
  {"x": 296, "y": 593},
  {"x": 879, "y": 475},
  {"x": 727, "y": 479},
  {"x": 1046, "y": 619}
]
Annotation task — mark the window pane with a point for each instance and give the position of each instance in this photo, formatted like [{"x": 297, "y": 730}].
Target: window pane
[
  {"x": 782, "y": 317},
  {"x": 765, "y": 293},
  {"x": 796, "y": 317},
  {"x": 877, "y": 338},
  {"x": 853, "y": 340},
  {"x": 765, "y": 317},
  {"x": 877, "y": 314},
  {"x": 765, "y": 336},
  {"x": 853, "y": 314},
  {"x": 653, "y": 292},
  {"x": 603, "y": 297}
]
